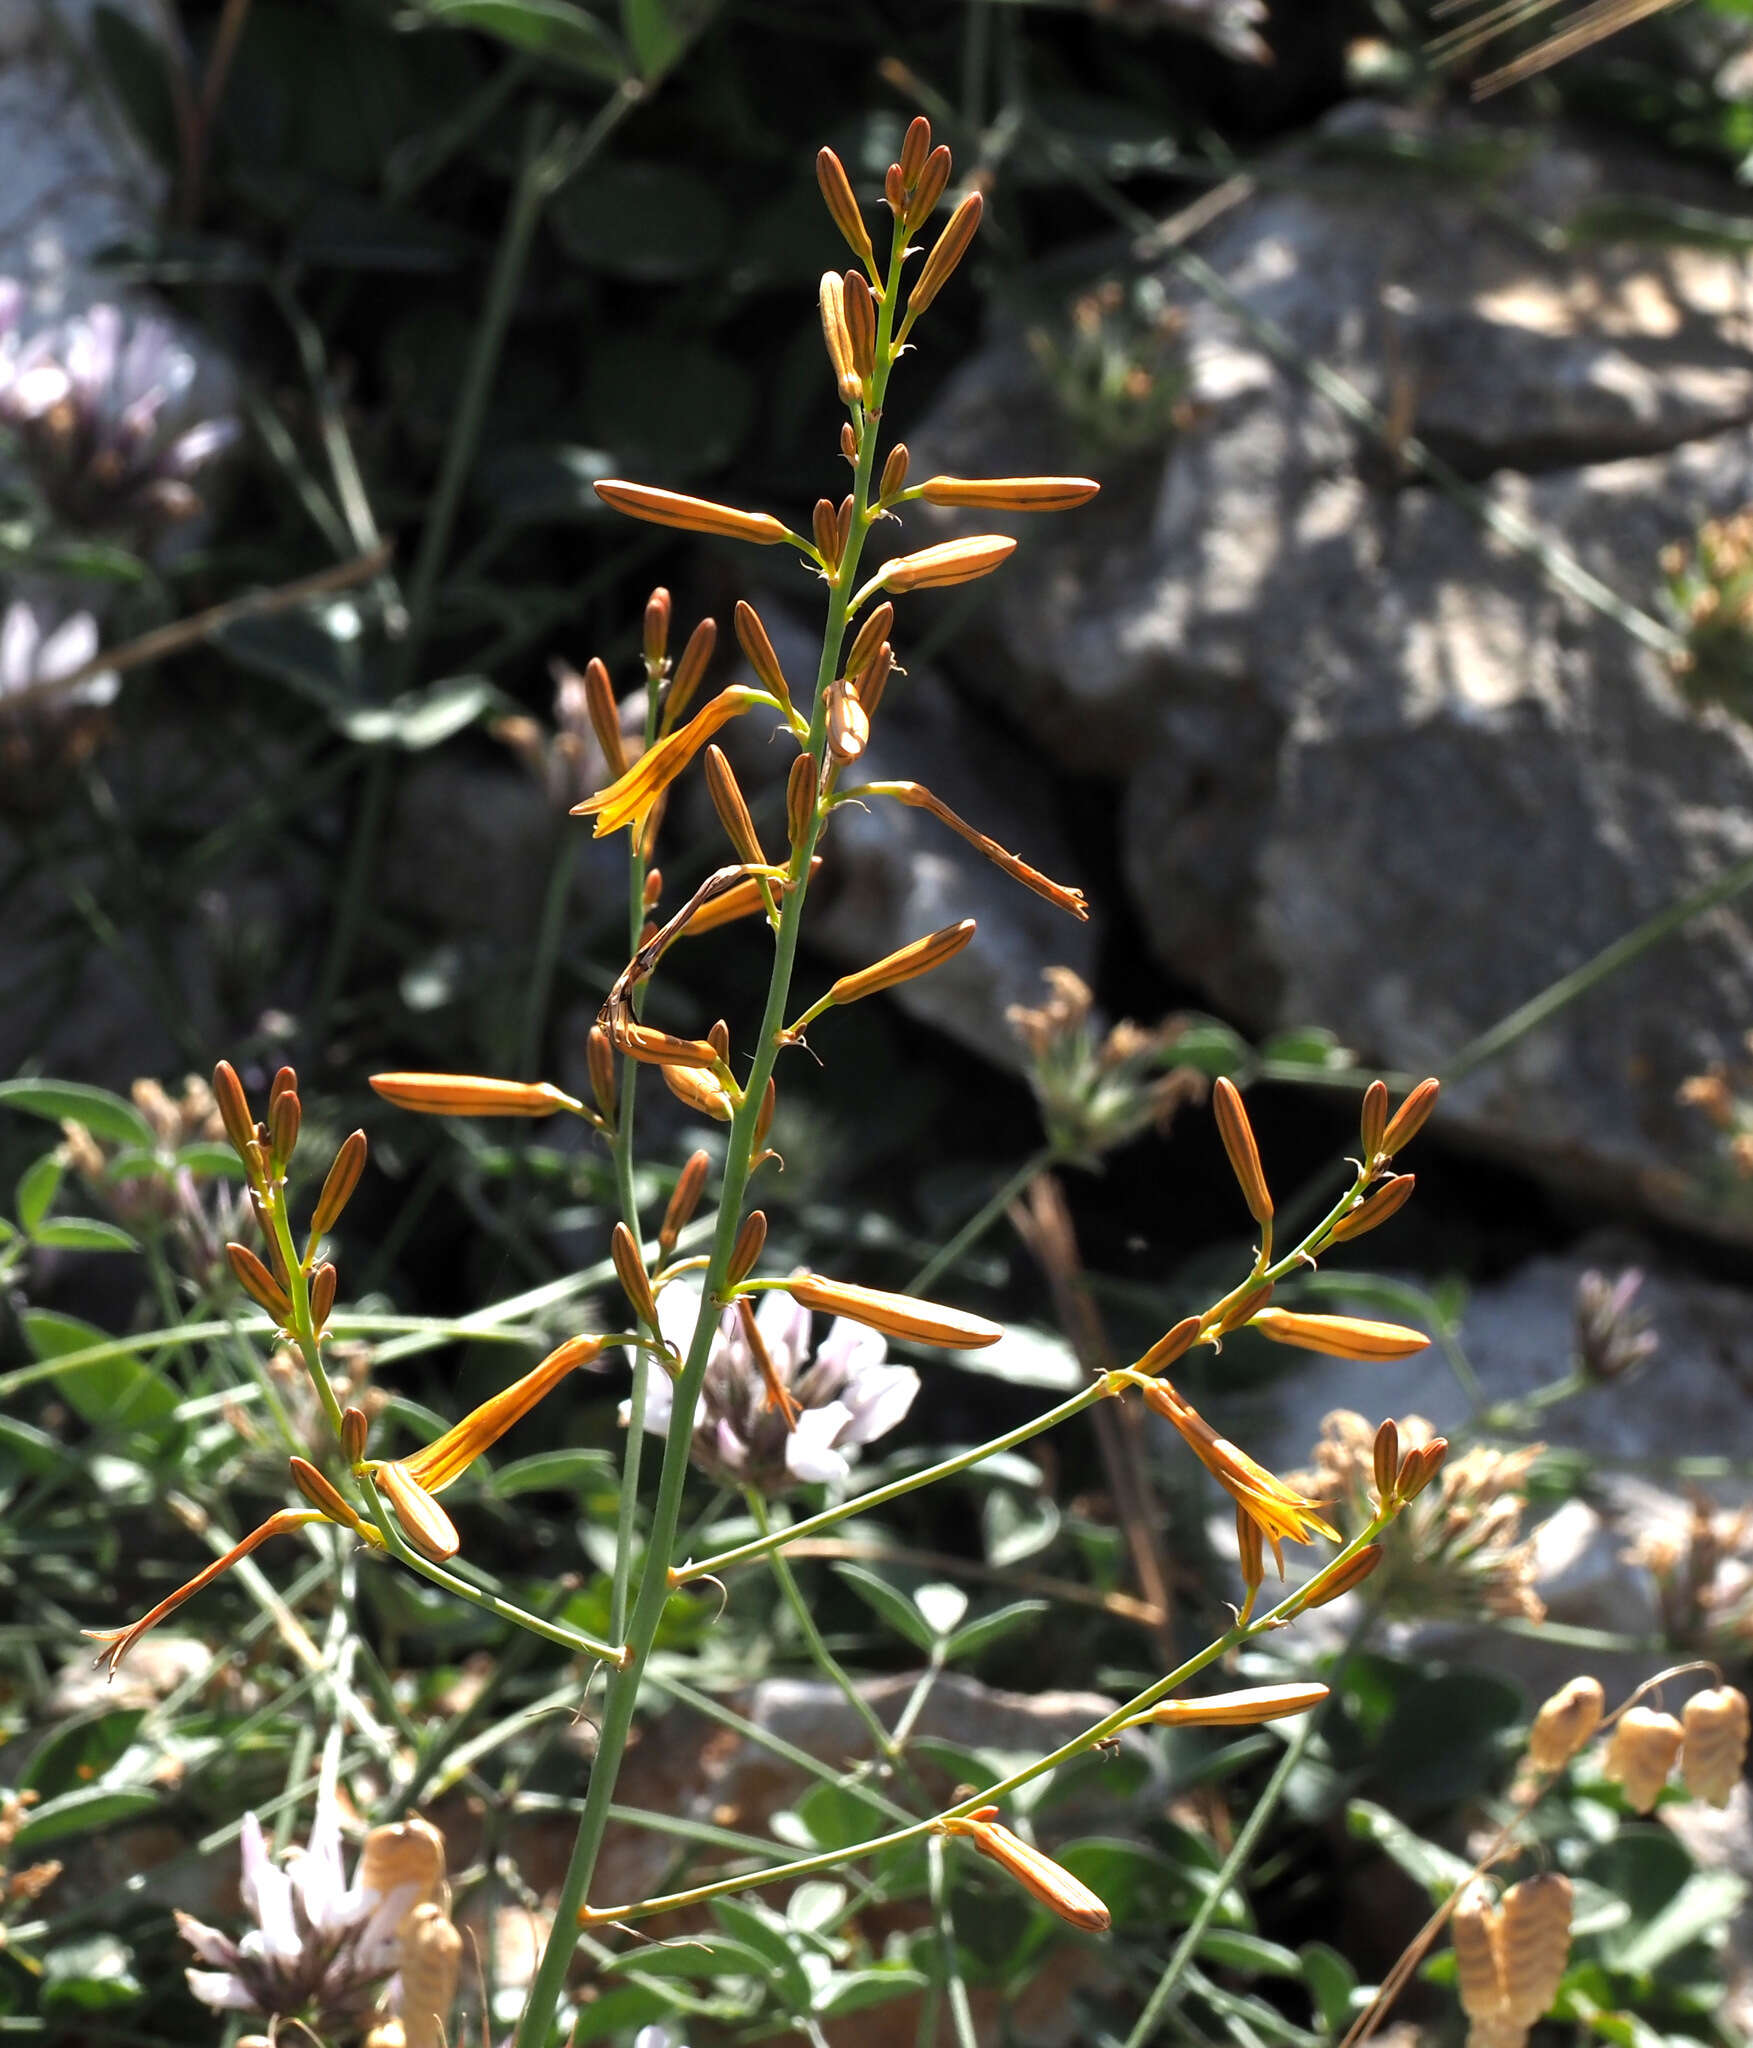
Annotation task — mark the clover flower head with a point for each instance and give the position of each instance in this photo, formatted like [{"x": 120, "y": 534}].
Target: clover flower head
[
  {"x": 321, "y": 1951},
  {"x": 98, "y": 403},
  {"x": 1097, "y": 1090},
  {"x": 1613, "y": 1337},
  {"x": 846, "y": 1391}
]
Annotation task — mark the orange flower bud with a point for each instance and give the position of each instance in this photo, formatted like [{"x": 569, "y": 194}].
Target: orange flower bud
[
  {"x": 1410, "y": 1118},
  {"x": 800, "y": 799},
  {"x": 692, "y": 515},
  {"x": 843, "y": 206},
  {"x": 700, "y": 1091},
  {"x": 684, "y": 1200},
  {"x": 1010, "y": 493},
  {"x": 1386, "y": 1199},
  {"x": 355, "y": 1433},
  {"x": 825, "y": 530},
  {"x": 732, "y": 808},
  {"x": 950, "y": 561},
  {"x": 1039, "y": 1875},
  {"x": 470, "y": 1095},
  {"x": 323, "y": 1282},
  {"x": 322, "y": 1496},
  {"x": 758, "y": 651},
  {"x": 859, "y": 310},
  {"x": 745, "y": 1253},
  {"x": 1373, "y": 1118},
  {"x": 259, "y": 1284},
  {"x": 1339, "y": 1336},
  {"x": 1238, "y": 1142},
  {"x": 951, "y": 246},
  {"x": 906, "y": 964},
  {"x": 875, "y": 679},
  {"x": 896, "y": 1315},
  {"x": 848, "y": 722},
  {"x": 1419, "y": 1467},
  {"x": 234, "y": 1108},
  {"x": 1387, "y": 1461},
  {"x": 605, "y": 715},
  {"x": 1343, "y": 1577},
  {"x": 689, "y": 671},
  {"x": 894, "y": 478},
  {"x": 343, "y": 1177},
  {"x": 656, "y": 637},
  {"x": 873, "y": 630},
  {"x": 630, "y": 1271},
  {"x": 934, "y": 177},
  {"x": 599, "y": 1058},
  {"x": 915, "y": 148},
  {"x": 285, "y": 1113},
  {"x": 1237, "y": 1709},
  {"x": 1173, "y": 1345},
  {"x": 425, "y": 1524}
]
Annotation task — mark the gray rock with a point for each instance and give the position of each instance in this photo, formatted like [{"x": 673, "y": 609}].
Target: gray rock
[{"x": 1378, "y": 772}]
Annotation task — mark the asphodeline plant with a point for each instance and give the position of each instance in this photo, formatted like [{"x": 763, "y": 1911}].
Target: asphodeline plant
[{"x": 748, "y": 1398}]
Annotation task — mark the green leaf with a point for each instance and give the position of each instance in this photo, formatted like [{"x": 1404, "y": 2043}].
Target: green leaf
[
  {"x": 85, "y": 1234},
  {"x": 693, "y": 1955},
  {"x": 619, "y": 2012},
  {"x": 546, "y": 28},
  {"x": 103, "y": 1114},
  {"x": 771, "y": 1940},
  {"x": 653, "y": 222},
  {"x": 1309, "y": 1045},
  {"x": 1252, "y": 1954},
  {"x": 211, "y": 1158},
  {"x": 567, "y": 1471},
  {"x": 979, "y": 1635},
  {"x": 854, "y": 1990},
  {"x": 1331, "y": 1982},
  {"x": 1017, "y": 1525},
  {"x": 38, "y": 1186},
  {"x": 93, "y": 1975},
  {"x": 673, "y": 405},
  {"x": 1444, "y": 1739},
  {"x": 837, "y": 1816},
  {"x": 1437, "y": 1870},
  {"x": 112, "y": 1390},
  {"x": 34, "y": 1450},
  {"x": 84, "y": 1750},
  {"x": 1210, "y": 1046},
  {"x": 1700, "y": 1911},
  {"x": 894, "y": 1607},
  {"x": 77, "y": 1813},
  {"x": 659, "y": 31},
  {"x": 1140, "y": 1886}
]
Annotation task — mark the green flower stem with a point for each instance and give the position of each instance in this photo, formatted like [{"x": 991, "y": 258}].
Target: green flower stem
[
  {"x": 880, "y": 1496},
  {"x": 826, "y": 1661},
  {"x": 961, "y": 2012},
  {"x": 1111, "y": 1724},
  {"x": 654, "y": 1583}
]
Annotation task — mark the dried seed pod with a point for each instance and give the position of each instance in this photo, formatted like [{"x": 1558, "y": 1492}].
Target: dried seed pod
[
  {"x": 758, "y": 652},
  {"x": 949, "y": 249},
  {"x": 431, "y": 1957},
  {"x": 234, "y": 1109},
  {"x": 837, "y": 336},
  {"x": 1565, "y": 1722},
  {"x": 1533, "y": 1944},
  {"x": 1642, "y": 1752},
  {"x": 630, "y": 1271},
  {"x": 323, "y": 1282},
  {"x": 355, "y": 1434},
  {"x": 894, "y": 478},
  {"x": 906, "y": 964},
  {"x": 1387, "y": 1461},
  {"x": 843, "y": 205},
  {"x": 700, "y": 1091},
  {"x": 933, "y": 180},
  {"x": 1171, "y": 1346},
  {"x": 684, "y": 1200},
  {"x": 1387, "y": 1198},
  {"x": 469, "y": 1095},
  {"x": 692, "y": 515},
  {"x": 425, "y": 1524},
  {"x": 1410, "y": 1118},
  {"x": 848, "y": 722},
  {"x": 800, "y": 799},
  {"x": 949, "y": 562},
  {"x": 745, "y": 1253},
  {"x": 1238, "y": 1143},
  {"x": 1714, "y": 1751},
  {"x": 1473, "y": 1927},
  {"x": 605, "y": 714},
  {"x": 656, "y": 636},
  {"x": 1011, "y": 493},
  {"x": 599, "y": 1058},
  {"x": 259, "y": 1284},
  {"x": 404, "y": 1852},
  {"x": 732, "y": 808},
  {"x": 339, "y": 1183},
  {"x": 896, "y": 1315},
  {"x": 1340, "y": 1336},
  {"x": 285, "y": 1082},
  {"x": 860, "y": 312},
  {"x": 873, "y": 630}
]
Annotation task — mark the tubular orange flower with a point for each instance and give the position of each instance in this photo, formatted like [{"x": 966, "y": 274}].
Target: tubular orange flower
[
  {"x": 446, "y": 1458},
  {"x": 1038, "y": 1874},
  {"x": 896, "y": 1315},
  {"x": 470, "y": 1095},
  {"x": 117, "y": 1642},
  {"x": 1278, "y": 1510},
  {"x": 1237, "y": 1709},
  {"x": 629, "y": 799},
  {"x": 1339, "y": 1336},
  {"x": 905, "y": 964},
  {"x": 743, "y": 900},
  {"x": 1010, "y": 493},
  {"x": 692, "y": 515}
]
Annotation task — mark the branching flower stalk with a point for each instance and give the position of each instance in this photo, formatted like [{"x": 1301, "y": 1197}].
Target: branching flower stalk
[{"x": 391, "y": 1504}]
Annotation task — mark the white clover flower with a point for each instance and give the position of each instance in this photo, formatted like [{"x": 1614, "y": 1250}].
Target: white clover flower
[
  {"x": 849, "y": 1396},
  {"x": 34, "y": 657}
]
